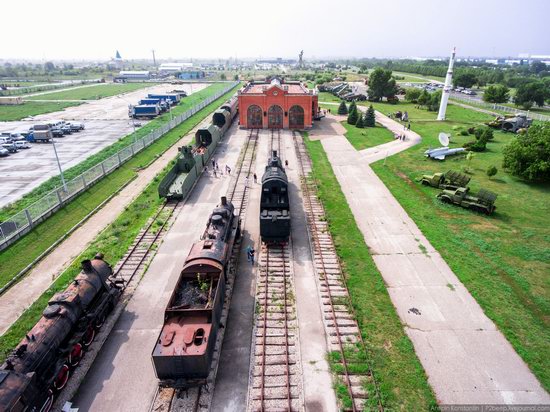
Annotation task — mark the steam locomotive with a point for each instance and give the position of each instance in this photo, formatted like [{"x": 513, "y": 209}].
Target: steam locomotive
[
  {"x": 274, "y": 203},
  {"x": 183, "y": 352},
  {"x": 41, "y": 364}
]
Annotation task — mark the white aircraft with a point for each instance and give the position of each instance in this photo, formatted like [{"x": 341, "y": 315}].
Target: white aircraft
[{"x": 439, "y": 153}]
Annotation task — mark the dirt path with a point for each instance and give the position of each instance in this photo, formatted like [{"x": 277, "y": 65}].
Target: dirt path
[
  {"x": 17, "y": 299},
  {"x": 467, "y": 359}
]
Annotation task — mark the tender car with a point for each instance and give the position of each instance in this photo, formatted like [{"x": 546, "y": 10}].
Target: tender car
[
  {"x": 22, "y": 144},
  {"x": 3, "y": 152}
]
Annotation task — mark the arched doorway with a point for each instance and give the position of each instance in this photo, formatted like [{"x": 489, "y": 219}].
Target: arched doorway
[
  {"x": 254, "y": 117},
  {"x": 296, "y": 117},
  {"x": 275, "y": 117}
]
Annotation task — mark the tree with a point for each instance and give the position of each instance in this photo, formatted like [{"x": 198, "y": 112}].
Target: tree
[
  {"x": 434, "y": 101},
  {"x": 491, "y": 171},
  {"x": 370, "y": 118},
  {"x": 343, "y": 109},
  {"x": 412, "y": 95},
  {"x": 360, "y": 122},
  {"x": 223, "y": 76},
  {"x": 528, "y": 156},
  {"x": 353, "y": 116},
  {"x": 531, "y": 93},
  {"x": 236, "y": 77},
  {"x": 424, "y": 98},
  {"x": 469, "y": 158},
  {"x": 381, "y": 84},
  {"x": 465, "y": 80},
  {"x": 352, "y": 106},
  {"x": 496, "y": 94},
  {"x": 49, "y": 66}
]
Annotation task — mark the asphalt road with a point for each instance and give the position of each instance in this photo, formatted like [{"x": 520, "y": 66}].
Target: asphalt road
[{"x": 106, "y": 121}]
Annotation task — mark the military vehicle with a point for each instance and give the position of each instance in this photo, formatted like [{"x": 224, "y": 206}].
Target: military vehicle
[
  {"x": 511, "y": 123},
  {"x": 483, "y": 201},
  {"x": 451, "y": 180}
]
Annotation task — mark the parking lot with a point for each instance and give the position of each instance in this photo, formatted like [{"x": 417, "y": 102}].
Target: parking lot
[{"x": 106, "y": 121}]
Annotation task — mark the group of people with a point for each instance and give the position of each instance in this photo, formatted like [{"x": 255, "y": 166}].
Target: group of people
[
  {"x": 401, "y": 136},
  {"x": 216, "y": 169}
]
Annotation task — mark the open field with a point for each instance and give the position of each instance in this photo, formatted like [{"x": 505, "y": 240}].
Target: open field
[
  {"x": 93, "y": 92},
  {"x": 417, "y": 78},
  {"x": 367, "y": 137},
  {"x": 18, "y": 112},
  {"x": 503, "y": 260},
  {"x": 25, "y": 250},
  {"x": 403, "y": 383},
  {"x": 329, "y": 97}
]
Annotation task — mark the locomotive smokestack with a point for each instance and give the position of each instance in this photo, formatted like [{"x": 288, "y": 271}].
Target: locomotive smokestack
[
  {"x": 274, "y": 153},
  {"x": 224, "y": 201},
  {"x": 87, "y": 266}
]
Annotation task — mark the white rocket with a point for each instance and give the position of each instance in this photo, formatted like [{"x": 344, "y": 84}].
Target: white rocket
[{"x": 447, "y": 88}]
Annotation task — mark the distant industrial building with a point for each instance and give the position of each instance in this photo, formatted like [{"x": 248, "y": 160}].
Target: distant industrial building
[
  {"x": 133, "y": 75},
  {"x": 192, "y": 74},
  {"x": 174, "y": 67},
  {"x": 277, "y": 105}
]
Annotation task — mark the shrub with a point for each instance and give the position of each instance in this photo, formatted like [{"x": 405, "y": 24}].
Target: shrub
[
  {"x": 471, "y": 130},
  {"x": 528, "y": 156},
  {"x": 352, "y": 117},
  {"x": 370, "y": 118},
  {"x": 491, "y": 171},
  {"x": 343, "y": 109},
  {"x": 360, "y": 123},
  {"x": 464, "y": 133}
]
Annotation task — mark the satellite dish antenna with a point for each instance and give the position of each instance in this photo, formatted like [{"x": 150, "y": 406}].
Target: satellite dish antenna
[{"x": 444, "y": 139}]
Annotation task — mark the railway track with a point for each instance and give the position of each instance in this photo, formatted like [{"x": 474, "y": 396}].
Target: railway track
[
  {"x": 276, "y": 381},
  {"x": 348, "y": 351},
  {"x": 198, "y": 398}
]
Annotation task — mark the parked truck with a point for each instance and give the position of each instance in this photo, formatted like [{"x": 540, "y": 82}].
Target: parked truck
[
  {"x": 144, "y": 111},
  {"x": 451, "y": 180},
  {"x": 163, "y": 105},
  {"x": 483, "y": 201},
  {"x": 41, "y": 133},
  {"x": 174, "y": 98}
]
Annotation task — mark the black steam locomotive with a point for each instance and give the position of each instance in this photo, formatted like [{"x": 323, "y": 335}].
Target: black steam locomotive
[
  {"x": 274, "y": 203},
  {"x": 41, "y": 364},
  {"x": 183, "y": 352}
]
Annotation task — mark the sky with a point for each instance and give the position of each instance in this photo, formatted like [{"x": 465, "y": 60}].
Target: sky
[{"x": 183, "y": 29}]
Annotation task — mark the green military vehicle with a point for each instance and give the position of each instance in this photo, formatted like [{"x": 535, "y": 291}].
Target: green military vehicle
[
  {"x": 483, "y": 201},
  {"x": 451, "y": 180}
]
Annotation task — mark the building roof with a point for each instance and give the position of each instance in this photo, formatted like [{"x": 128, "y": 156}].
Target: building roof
[
  {"x": 134, "y": 73},
  {"x": 261, "y": 88},
  {"x": 174, "y": 66}
]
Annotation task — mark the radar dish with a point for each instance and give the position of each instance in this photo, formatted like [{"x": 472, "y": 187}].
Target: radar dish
[{"x": 444, "y": 139}]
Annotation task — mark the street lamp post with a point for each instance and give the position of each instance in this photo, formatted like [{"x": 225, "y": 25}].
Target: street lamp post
[{"x": 59, "y": 166}]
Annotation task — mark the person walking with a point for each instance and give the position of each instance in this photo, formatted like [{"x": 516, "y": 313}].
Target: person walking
[
  {"x": 250, "y": 254},
  {"x": 255, "y": 178},
  {"x": 213, "y": 164},
  {"x": 228, "y": 169},
  {"x": 409, "y": 126},
  {"x": 286, "y": 163},
  {"x": 246, "y": 182}
]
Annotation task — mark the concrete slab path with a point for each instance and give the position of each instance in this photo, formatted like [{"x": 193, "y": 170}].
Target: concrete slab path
[{"x": 466, "y": 358}]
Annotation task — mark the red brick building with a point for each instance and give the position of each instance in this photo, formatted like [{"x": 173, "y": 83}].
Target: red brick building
[{"x": 277, "y": 105}]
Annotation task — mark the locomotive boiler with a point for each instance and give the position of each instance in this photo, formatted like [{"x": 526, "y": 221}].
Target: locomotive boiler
[
  {"x": 274, "y": 203},
  {"x": 183, "y": 352},
  {"x": 41, "y": 364}
]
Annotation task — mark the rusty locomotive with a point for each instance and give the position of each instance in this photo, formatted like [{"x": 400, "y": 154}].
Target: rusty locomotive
[
  {"x": 41, "y": 364},
  {"x": 274, "y": 203},
  {"x": 182, "y": 355}
]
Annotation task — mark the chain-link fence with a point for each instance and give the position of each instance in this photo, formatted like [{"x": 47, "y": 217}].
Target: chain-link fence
[
  {"x": 23, "y": 221},
  {"x": 497, "y": 107},
  {"x": 44, "y": 87}
]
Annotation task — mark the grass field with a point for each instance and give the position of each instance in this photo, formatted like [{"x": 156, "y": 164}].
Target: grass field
[
  {"x": 403, "y": 383},
  {"x": 417, "y": 78},
  {"x": 25, "y": 250},
  {"x": 329, "y": 97},
  {"x": 503, "y": 260},
  {"x": 18, "y": 112},
  {"x": 94, "y": 92},
  {"x": 367, "y": 137}
]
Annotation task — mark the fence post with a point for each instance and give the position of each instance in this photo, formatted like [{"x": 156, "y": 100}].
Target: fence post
[
  {"x": 27, "y": 213},
  {"x": 83, "y": 180},
  {"x": 119, "y": 159},
  {"x": 103, "y": 168},
  {"x": 59, "y": 198}
]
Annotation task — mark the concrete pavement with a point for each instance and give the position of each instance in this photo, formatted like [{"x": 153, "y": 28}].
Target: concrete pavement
[
  {"x": 122, "y": 377},
  {"x": 466, "y": 358}
]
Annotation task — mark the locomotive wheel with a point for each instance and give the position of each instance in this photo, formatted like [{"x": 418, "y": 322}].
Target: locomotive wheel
[
  {"x": 88, "y": 337},
  {"x": 76, "y": 355},
  {"x": 100, "y": 321},
  {"x": 48, "y": 402},
  {"x": 62, "y": 378}
]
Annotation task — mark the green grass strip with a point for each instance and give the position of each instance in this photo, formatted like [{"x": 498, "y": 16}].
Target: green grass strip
[
  {"x": 402, "y": 380},
  {"x": 20, "y": 111},
  {"x": 29, "y": 247}
]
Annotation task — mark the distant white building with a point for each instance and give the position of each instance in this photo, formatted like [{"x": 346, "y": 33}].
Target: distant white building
[
  {"x": 135, "y": 74},
  {"x": 174, "y": 67}
]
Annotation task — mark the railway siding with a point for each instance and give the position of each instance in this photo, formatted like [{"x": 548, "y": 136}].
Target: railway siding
[{"x": 355, "y": 383}]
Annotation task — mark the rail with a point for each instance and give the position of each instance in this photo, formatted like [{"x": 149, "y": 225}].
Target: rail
[
  {"x": 498, "y": 107},
  {"x": 24, "y": 221}
]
